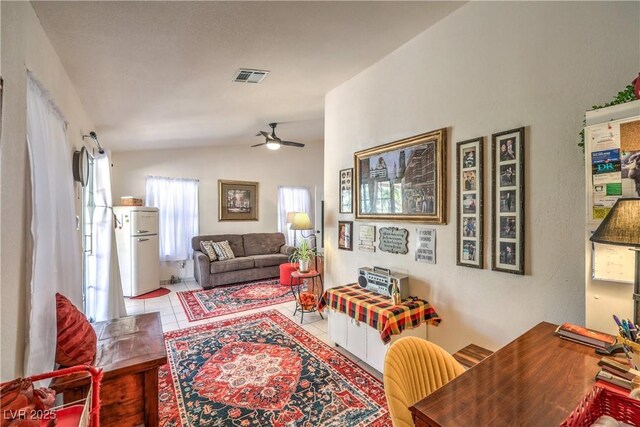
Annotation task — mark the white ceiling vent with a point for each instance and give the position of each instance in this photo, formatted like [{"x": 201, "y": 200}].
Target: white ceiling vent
[{"x": 244, "y": 75}]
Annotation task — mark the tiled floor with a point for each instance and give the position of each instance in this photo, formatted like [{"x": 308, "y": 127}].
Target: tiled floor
[{"x": 174, "y": 317}]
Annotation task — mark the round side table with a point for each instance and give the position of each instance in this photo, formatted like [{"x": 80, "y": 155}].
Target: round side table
[{"x": 297, "y": 276}]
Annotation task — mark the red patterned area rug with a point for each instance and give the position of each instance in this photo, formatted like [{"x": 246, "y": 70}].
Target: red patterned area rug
[
  {"x": 263, "y": 370},
  {"x": 205, "y": 304}
]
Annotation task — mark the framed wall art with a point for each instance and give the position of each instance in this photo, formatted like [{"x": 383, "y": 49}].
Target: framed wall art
[
  {"x": 345, "y": 235},
  {"x": 469, "y": 203},
  {"x": 237, "y": 200},
  {"x": 403, "y": 180},
  {"x": 507, "y": 221},
  {"x": 346, "y": 190}
]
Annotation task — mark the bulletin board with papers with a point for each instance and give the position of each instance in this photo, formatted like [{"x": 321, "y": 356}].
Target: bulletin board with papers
[{"x": 612, "y": 155}]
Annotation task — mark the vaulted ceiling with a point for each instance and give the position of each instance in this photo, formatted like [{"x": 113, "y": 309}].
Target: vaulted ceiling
[{"x": 159, "y": 74}]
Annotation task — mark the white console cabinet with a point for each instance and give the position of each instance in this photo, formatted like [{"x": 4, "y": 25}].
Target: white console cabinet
[{"x": 363, "y": 341}]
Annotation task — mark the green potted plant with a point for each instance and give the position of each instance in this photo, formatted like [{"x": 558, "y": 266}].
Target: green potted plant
[{"x": 302, "y": 255}]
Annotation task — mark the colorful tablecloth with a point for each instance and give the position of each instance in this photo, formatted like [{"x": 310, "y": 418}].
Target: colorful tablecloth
[{"x": 377, "y": 310}]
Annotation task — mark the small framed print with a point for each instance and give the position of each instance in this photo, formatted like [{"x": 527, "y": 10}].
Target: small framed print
[
  {"x": 237, "y": 200},
  {"x": 507, "y": 206},
  {"x": 345, "y": 235},
  {"x": 346, "y": 190},
  {"x": 469, "y": 203}
]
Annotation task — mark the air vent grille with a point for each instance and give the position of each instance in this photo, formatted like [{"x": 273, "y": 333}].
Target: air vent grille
[{"x": 245, "y": 75}]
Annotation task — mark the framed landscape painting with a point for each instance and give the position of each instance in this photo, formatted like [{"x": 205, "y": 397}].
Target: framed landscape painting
[
  {"x": 403, "y": 180},
  {"x": 507, "y": 221},
  {"x": 237, "y": 200}
]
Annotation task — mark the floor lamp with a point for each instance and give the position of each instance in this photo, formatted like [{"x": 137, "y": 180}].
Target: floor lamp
[
  {"x": 300, "y": 222},
  {"x": 290, "y": 216},
  {"x": 621, "y": 227}
]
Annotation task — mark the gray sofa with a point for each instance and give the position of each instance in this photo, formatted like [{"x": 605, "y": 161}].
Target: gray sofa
[{"x": 257, "y": 256}]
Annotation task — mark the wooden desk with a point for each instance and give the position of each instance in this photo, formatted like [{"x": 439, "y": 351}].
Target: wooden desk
[
  {"x": 536, "y": 380},
  {"x": 130, "y": 351}
]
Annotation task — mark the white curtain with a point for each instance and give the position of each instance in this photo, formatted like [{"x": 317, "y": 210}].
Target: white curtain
[
  {"x": 177, "y": 200},
  {"x": 292, "y": 199},
  {"x": 56, "y": 257},
  {"x": 104, "y": 298}
]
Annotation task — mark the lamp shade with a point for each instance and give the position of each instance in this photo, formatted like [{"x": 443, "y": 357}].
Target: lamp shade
[
  {"x": 301, "y": 221},
  {"x": 621, "y": 226},
  {"x": 290, "y": 216}
]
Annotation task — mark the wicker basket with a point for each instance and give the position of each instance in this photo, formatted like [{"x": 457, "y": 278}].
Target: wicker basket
[
  {"x": 130, "y": 201},
  {"x": 602, "y": 401}
]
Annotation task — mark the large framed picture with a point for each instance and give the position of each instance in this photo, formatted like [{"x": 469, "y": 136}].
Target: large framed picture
[
  {"x": 469, "y": 202},
  {"x": 346, "y": 190},
  {"x": 237, "y": 200},
  {"x": 507, "y": 221},
  {"x": 403, "y": 180},
  {"x": 345, "y": 235}
]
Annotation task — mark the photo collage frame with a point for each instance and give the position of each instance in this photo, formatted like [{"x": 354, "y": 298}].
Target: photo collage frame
[
  {"x": 470, "y": 225},
  {"x": 507, "y": 222}
]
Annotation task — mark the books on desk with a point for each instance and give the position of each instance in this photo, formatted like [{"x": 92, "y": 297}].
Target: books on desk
[
  {"x": 585, "y": 336},
  {"x": 618, "y": 374}
]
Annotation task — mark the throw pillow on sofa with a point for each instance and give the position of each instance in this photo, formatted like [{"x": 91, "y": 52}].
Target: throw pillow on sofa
[
  {"x": 77, "y": 341},
  {"x": 223, "y": 250},
  {"x": 207, "y": 248}
]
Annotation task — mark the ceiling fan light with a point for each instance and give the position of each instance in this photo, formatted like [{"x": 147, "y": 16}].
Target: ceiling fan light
[{"x": 273, "y": 145}]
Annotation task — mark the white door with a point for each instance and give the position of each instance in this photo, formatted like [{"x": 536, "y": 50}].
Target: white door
[{"x": 145, "y": 269}]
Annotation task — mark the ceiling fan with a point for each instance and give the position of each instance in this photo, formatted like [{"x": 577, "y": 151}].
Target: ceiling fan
[{"x": 273, "y": 142}]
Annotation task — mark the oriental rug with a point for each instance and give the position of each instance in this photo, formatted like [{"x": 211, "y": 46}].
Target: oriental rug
[
  {"x": 263, "y": 370},
  {"x": 221, "y": 300}
]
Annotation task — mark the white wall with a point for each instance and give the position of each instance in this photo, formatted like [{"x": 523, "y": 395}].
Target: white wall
[
  {"x": 287, "y": 166},
  {"x": 24, "y": 46},
  {"x": 486, "y": 68}
]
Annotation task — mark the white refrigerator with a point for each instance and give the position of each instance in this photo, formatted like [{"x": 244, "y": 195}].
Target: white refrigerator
[{"x": 138, "y": 249}]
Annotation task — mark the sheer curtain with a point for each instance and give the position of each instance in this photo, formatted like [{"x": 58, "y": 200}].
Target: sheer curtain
[
  {"x": 104, "y": 296},
  {"x": 177, "y": 200},
  {"x": 56, "y": 257},
  {"x": 292, "y": 199}
]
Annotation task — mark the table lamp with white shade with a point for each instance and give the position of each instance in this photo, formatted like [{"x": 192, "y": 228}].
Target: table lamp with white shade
[{"x": 621, "y": 227}]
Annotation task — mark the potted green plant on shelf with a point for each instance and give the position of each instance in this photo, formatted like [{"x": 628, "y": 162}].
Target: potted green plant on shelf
[{"x": 302, "y": 255}]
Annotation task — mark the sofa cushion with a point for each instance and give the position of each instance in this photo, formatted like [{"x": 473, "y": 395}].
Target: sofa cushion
[
  {"x": 207, "y": 248},
  {"x": 223, "y": 250},
  {"x": 270, "y": 260},
  {"x": 231, "y": 265},
  {"x": 235, "y": 241},
  {"x": 262, "y": 243}
]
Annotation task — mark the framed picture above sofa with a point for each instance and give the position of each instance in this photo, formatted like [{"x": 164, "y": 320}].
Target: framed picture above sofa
[{"x": 238, "y": 200}]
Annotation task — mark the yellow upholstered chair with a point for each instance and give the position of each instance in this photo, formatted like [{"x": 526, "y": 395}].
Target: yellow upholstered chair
[{"x": 414, "y": 368}]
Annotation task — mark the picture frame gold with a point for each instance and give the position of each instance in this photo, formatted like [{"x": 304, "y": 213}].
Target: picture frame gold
[
  {"x": 238, "y": 200},
  {"x": 404, "y": 180}
]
